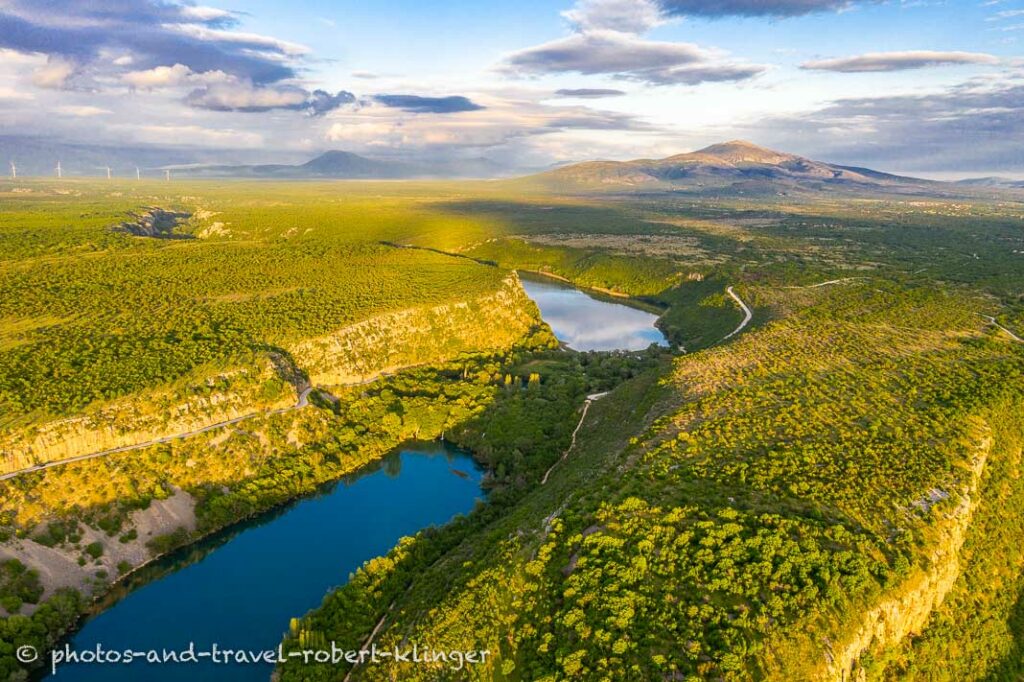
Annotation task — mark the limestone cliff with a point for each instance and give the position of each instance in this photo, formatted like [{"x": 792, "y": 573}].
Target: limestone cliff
[
  {"x": 907, "y": 610},
  {"x": 353, "y": 354},
  {"x": 139, "y": 419},
  {"x": 414, "y": 336}
]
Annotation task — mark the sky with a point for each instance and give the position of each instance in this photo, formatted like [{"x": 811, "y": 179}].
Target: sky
[{"x": 929, "y": 87}]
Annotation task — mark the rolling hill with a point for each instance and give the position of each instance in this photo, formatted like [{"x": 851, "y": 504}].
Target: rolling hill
[
  {"x": 992, "y": 182},
  {"x": 343, "y": 165}
]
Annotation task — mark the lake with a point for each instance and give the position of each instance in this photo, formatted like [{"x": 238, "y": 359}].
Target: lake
[
  {"x": 584, "y": 322},
  {"x": 239, "y": 589}
]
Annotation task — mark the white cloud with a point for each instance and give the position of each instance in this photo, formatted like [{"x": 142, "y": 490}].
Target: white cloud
[
  {"x": 173, "y": 76},
  {"x": 82, "y": 111},
  {"x": 158, "y": 77},
  {"x": 205, "y": 14},
  {"x": 874, "y": 62},
  {"x": 499, "y": 122},
  {"x": 1006, "y": 14},
  {"x": 628, "y": 57},
  {"x": 244, "y": 96},
  {"x": 606, "y": 40},
  {"x": 54, "y": 75},
  {"x": 13, "y": 57},
  {"x": 194, "y": 135},
  {"x": 14, "y": 94},
  {"x": 631, "y": 16}
]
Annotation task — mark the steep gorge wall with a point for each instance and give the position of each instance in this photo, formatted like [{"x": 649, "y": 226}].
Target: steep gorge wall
[
  {"x": 415, "y": 336},
  {"x": 353, "y": 354},
  {"x": 141, "y": 419},
  {"x": 907, "y": 611}
]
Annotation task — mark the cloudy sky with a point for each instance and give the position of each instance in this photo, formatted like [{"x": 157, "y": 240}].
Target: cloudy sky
[{"x": 926, "y": 86}]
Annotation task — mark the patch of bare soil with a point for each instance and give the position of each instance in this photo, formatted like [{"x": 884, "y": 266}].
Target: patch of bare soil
[{"x": 71, "y": 566}]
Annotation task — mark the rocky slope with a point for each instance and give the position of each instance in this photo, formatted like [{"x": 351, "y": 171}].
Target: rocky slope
[{"x": 219, "y": 397}]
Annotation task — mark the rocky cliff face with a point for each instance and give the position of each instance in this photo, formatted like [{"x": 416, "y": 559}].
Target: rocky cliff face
[
  {"x": 906, "y": 612},
  {"x": 141, "y": 419},
  {"x": 388, "y": 342},
  {"x": 353, "y": 354},
  {"x": 155, "y": 222}
]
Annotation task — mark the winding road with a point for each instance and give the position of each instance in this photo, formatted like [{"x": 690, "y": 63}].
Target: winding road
[
  {"x": 302, "y": 402},
  {"x": 992, "y": 321},
  {"x": 748, "y": 314}
]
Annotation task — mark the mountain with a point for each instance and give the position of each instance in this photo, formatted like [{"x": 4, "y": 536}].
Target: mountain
[
  {"x": 342, "y": 165},
  {"x": 335, "y": 164},
  {"x": 331, "y": 164},
  {"x": 993, "y": 182},
  {"x": 38, "y": 156},
  {"x": 737, "y": 167}
]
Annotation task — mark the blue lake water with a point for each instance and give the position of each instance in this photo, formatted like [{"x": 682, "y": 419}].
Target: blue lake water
[
  {"x": 584, "y": 322},
  {"x": 240, "y": 589}
]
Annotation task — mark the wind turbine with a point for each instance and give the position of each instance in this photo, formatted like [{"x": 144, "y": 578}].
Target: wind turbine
[
  {"x": 138, "y": 173},
  {"x": 108, "y": 172},
  {"x": 167, "y": 174},
  {"x": 14, "y": 171},
  {"x": 60, "y": 173}
]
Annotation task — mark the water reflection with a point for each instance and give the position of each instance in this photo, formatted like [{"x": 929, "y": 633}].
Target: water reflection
[{"x": 586, "y": 323}]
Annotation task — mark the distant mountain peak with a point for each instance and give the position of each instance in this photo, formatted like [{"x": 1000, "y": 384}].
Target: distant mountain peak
[
  {"x": 742, "y": 151},
  {"x": 344, "y": 164},
  {"x": 731, "y": 145},
  {"x": 336, "y": 154}
]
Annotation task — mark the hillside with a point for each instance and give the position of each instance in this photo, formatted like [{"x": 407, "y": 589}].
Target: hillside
[
  {"x": 300, "y": 283},
  {"x": 733, "y": 167},
  {"x": 992, "y": 182},
  {"x": 773, "y": 509}
]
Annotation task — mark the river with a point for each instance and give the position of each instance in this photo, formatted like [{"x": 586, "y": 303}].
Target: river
[
  {"x": 239, "y": 589},
  {"x": 586, "y": 322}
]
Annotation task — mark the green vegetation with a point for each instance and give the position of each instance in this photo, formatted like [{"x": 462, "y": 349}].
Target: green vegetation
[
  {"x": 134, "y": 313},
  {"x": 977, "y": 631},
  {"x": 18, "y": 585},
  {"x": 782, "y": 490},
  {"x": 41, "y": 630},
  {"x": 742, "y": 510}
]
